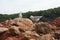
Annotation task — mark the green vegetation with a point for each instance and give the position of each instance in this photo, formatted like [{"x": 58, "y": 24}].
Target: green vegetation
[
  {"x": 48, "y": 15},
  {"x": 4, "y": 17}
]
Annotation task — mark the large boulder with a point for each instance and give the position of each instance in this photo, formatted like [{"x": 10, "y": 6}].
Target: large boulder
[
  {"x": 46, "y": 37},
  {"x": 42, "y": 28},
  {"x": 57, "y": 34},
  {"x": 15, "y": 29},
  {"x": 2, "y": 29},
  {"x": 24, "y": 23},
  {"x": 57, "y": 22}
]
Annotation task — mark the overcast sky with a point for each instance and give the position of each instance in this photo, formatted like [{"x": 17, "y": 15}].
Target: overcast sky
[{"x": 15, "y": 6}]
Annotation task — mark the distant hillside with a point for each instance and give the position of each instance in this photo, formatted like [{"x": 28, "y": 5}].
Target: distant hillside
[
  {"x": 4, "y": 17},
  {"x": 48, "y": 15}
]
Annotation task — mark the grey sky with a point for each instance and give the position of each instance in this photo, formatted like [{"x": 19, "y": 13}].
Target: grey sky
[{"x": 15, "y": 6}]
